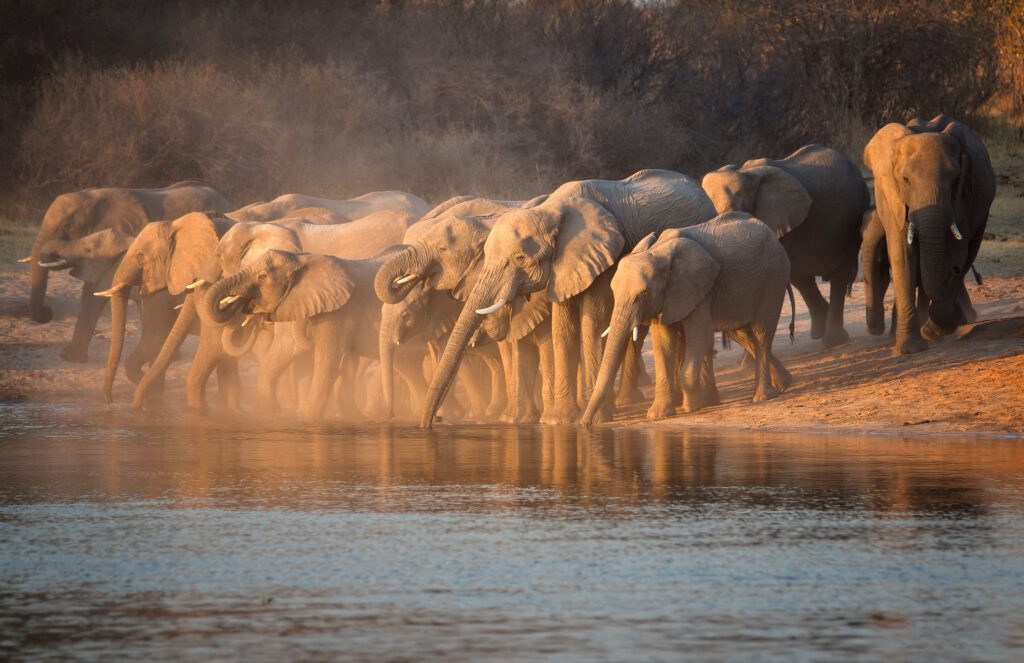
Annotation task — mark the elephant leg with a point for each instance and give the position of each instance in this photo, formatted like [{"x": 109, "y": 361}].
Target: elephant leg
[
  {"x": 596, "y": 305},
  {"x": 764, "y": 388},
  {"x": 838, "y": 282},
  {"x": 199, "y": 372},
  {"x": 780, "y": 377},
  {"x": 546, "y": 350},
  {"x": 510, "y": 360},
  {"x": 700, "y": 341},
  {"x": 875, "y": 265},
  {"x": 707, "y": 380},
  {"x": 677, "y": 368},
  {"x": 472, "y": 375},
  {"x": 327, "y": 354},
  {"x": 816, "y": 304},
  {"x": 632, "y": 370},
  {"x": 348, "y": 409},
  {"x": 499, "y": 394},
  {"x": 665, "y": 342},
  {"x": 229, "y": 384},
  {"x": 565, "y": 337},
  {"x": 157, "y": 316},
  {"x": 908, "y": 327},
  {"x": 89, "y": 311},
  {"x": 528, "y": 358}
]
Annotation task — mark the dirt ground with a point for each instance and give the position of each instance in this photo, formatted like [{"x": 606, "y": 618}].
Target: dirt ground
[{"x": 971, "y": 384}]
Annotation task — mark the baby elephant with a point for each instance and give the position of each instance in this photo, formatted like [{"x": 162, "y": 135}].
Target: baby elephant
[{"x": 728, "y": 274}]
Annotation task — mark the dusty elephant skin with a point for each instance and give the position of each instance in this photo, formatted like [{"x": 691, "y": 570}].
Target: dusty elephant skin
[
  {"x": 934, "y": 186},
  {"x": 75, "y": 215}
]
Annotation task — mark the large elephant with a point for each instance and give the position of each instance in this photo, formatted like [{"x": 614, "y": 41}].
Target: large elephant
[
  {"x": 934, "y": 185},
  {"x": 332, "y": 298},
  {"x": 74, "y": 215},
  {"x": 566, "y": 245},
  {"x": 823, "y": 192},
  {"x": 729, "y": 274},
  {"x": 160, "y": 262},
  {"x": 355, "y": 208}
]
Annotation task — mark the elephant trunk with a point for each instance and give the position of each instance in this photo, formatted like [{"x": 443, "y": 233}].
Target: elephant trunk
[
  {"x": 175, "y": 338},
  {"x": 484, "y": 295},
  {"x": 239, "y": 348},
  {"x": 387, "y": 340},
  {"x": 211, "y": 303},
  {"x": 615, "y": 351},
  {"x": 936, "y": 276},
  {"x": 400, "y": 274},
  {"x": 39, "y": 277},
  {"x": 118, "y": 311}
]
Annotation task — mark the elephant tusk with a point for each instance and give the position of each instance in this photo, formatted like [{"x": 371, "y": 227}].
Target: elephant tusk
[
  {"x": 910, "y": 234},
  {"x": 247, "y": 320},
  {"x": 111, "y": 292},
  {"x": 195, "y": 284},
  {"x": 56, "y": 264},
  {"x": 397, "y": 342},
  {"x": 178, "y": 307},
  {"x": 25, "y": 260},
  {"x": 956, "y": 231},
  {"x": 605, "y": 333},
  {"x": 492, "y": 308},
  {"x": 636, "y": 333},
  {"x": 402, "y": 280},
  {"x": 228, "y": 301}
]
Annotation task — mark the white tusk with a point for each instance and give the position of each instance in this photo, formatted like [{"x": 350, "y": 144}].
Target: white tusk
[
  {"x": 24, "y": 260},
  {"x": 405, "y": 279},
  {"x": 397, "y": 342},
  {"x": 247, "y": 320},
  {"x": 178, "y": 307},
  {"x": 956, "y": 231},
  {"x": 636, "y": 333},
  {"x": 492, "y": 308},
  {"x": 111, "y": 292},
  {"x": 195, "y": 284},
  {"x": 910, "y": 233},
  {"x": 606, "y": 332},
  {"x": 55, "y": 264},
  {"x": 228, "y": 301}
]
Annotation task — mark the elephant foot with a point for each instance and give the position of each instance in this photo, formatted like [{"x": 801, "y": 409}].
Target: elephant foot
[
  {"x": 781, "y": 378},
  {"x": 836, "y": 336},
  {"x": 661, "y": 410},
  {"x": 45, "y": 315},
  {"x": 910, "y": 346},
  {"x": 712, "y": 398},
  {"x": 932, "y": 332},
  {"x": 74, "y": 355},
  {"x": 565, "y": 413},
  {"x": 819, "y": 325},
  {"x": 765, "y": 394},
  {"x": 630, "y": 397}
]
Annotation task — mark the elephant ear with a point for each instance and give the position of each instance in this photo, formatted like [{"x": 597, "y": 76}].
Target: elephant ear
[
  {"x": 192, "y": 247},
  {"x": 781, "y": 202},
  {"x": 692, "y": 275},
  {"x": 526, "y": 315},
  {"x": 589, "y": 242},
  {"x": 318, "y": 284}
]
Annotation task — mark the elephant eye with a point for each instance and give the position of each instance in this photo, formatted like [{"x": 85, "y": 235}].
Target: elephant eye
[
  {"x": 519, "y": 260},
  {"x": 262, "y": 277},
  {"x": 906, "y": 179}
]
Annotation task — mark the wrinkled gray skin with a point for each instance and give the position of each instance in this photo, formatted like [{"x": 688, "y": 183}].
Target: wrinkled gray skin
[
  {"x": 356, "y": 208},
  {"x": 565, "y": 245},
  {"x": 161, "y": 261},
  {"x": 823, "y": 192},
  {"x": 332, "y": 298},
  {"x": 729, "y": 274},
  {"x": 932, "y": 182},
  {"x": 74, "y": 215},
  {"x": 98, "y": 258}
]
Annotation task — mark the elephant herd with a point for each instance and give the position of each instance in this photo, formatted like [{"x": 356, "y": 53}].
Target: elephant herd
[{"x": 376, "y": 307}]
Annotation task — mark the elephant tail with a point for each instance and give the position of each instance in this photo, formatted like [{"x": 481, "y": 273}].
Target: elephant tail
[
  {"x": 977, "y": 276},
  {"x": 792, "y": 314}
]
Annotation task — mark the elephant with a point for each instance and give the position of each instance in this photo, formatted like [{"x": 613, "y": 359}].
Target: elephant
[
  {"x": 74, "y": 215},
  {"x": 728, "y": 274},
  {"x": 566, "y": 246},
  {"x": 356, "y": 208},
  {"x": 331, "y": 298},
  {"x": 823, "y": 192},
  {"x": 160, "y": 262},
  {"x": 934, "y": 185}
]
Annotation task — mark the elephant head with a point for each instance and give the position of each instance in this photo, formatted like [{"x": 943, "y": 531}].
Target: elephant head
[
  {"x": 284, "y": 287},
  {"x": 925, "y": 178},
  {"x": 90, "y": 258},
  {"x": 560, "y": 246},
  {"x": 764, "y": 191},
  {"x": 73, "y": 216},
  {"x": 662, "y": 278}
]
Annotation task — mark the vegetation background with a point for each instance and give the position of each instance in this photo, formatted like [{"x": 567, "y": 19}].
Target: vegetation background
[{"x": 500, "y": 98}]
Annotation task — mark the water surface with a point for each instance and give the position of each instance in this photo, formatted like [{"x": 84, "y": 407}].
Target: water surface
[{"x": 166, "y": 537}]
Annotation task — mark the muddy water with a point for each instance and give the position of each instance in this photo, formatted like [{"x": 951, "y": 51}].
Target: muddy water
[{"x": 149, "y": 537}]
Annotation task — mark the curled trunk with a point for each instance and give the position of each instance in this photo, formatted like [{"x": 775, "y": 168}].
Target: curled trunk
[
  {"x": 174, "y": 340},
  {"x": 118, "y": 315},
  {"x": 210, "y": 303},
  {"x": 39, "y": 277},
  {"x": 615, "y": 351},
  {"x": 409, "y": 261},
  {"x": 239, "y": 347}
]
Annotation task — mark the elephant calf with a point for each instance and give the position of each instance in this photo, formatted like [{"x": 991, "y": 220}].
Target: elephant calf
[{"x": 728, "y": 274}]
